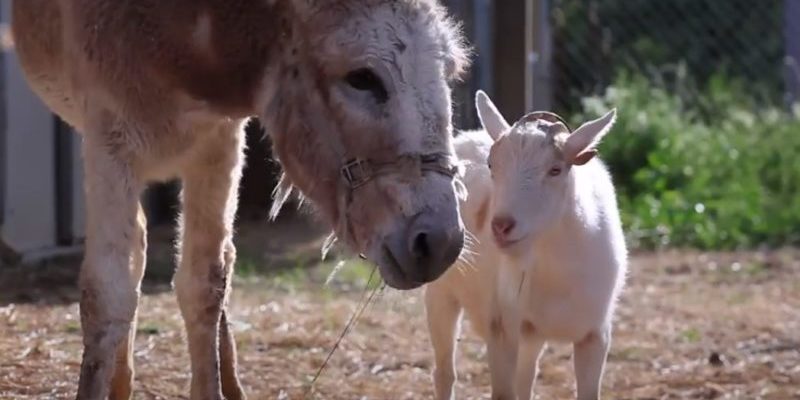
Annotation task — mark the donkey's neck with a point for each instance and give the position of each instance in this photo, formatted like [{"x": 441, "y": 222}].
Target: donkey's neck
[{"x": 234, "y": 43}]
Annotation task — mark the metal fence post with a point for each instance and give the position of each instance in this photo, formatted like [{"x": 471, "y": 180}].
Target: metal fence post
[
  {"x": 530, "y": 53},
  {"x": 484, "y": 35},
  {"x": 538, "y": 49},
  {"x": 509, "y": 57},
  {"x": 791, "y": 34},
  {"x": 3, "y": 124},
  {"x": 462, "y": 113}
]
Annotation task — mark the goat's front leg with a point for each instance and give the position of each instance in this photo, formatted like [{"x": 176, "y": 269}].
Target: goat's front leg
[
  {"x": 502, "y": 351},
  {"x": 590, "y": 360},
  {"x": 530, "y": 350},
  {"x": 208, "y": 255},
  {"x": 111, "y": 271},
  {"x": 443, "y": 314}
]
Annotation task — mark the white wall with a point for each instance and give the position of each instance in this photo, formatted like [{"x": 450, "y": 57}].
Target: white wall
[{"x": 29, "y": 214}]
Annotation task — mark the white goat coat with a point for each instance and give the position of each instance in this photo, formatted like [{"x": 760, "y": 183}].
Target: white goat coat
[
  {"x": 563, "y": 288},
  {"x": 568, "y": 282}
]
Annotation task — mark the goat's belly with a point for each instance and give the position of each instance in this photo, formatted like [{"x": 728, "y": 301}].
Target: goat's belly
[{"x": 562, "y": 319}]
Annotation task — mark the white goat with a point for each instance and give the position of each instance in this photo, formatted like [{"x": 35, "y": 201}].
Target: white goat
[{"x": 550, "y": 265}]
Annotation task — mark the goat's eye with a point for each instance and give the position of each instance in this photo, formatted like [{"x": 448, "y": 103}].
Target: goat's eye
[
  {"x": 365, "y": 80},
  {"x": 555, "y": 171}
]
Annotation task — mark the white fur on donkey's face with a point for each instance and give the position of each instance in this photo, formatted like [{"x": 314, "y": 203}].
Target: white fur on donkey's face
[{"x": 532, "y": 165}]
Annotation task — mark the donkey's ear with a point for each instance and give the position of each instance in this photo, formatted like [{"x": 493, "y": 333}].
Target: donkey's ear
[
  {"x": 490, "y": 117},
  {"x": 580, "y": 145}
]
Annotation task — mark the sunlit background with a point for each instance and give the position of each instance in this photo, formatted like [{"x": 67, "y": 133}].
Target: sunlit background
[{"x": 704, "y": 157}]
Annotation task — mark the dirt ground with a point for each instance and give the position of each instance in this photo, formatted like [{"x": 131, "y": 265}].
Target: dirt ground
[{"x": 690, "y": 326}]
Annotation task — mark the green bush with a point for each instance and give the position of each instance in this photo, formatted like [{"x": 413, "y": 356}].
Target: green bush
[{"x": 702, "y": 170}]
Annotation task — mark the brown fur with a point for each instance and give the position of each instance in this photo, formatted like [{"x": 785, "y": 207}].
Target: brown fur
[
  {"x": 160, "y": 89},
  {"x": 527, "y": 329},
  {"x": 496, "y": 327}
]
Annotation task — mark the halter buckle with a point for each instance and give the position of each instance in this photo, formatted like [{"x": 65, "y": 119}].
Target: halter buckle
[{"x": 356, "y": 172}]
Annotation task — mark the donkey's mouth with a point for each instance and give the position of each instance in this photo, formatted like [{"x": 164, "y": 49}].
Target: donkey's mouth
[{"x": 393, "y": 274}]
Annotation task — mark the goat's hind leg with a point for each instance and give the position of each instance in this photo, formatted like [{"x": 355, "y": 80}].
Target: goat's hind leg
[{"x": 109, "y": 287}]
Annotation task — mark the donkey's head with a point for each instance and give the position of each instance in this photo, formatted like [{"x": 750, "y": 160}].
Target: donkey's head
[{"x": 360, "y": 117}]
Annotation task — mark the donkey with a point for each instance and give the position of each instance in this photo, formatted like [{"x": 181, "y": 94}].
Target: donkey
[{"x": 354, "y": 93}]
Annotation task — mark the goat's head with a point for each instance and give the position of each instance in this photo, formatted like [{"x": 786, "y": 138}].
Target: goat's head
[
  {"x": 532, "y": 169},
  {"x": 361, "y": 123}
]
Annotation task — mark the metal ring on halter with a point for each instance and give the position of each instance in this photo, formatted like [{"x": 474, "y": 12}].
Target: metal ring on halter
[{"x": 356, "y": 172}]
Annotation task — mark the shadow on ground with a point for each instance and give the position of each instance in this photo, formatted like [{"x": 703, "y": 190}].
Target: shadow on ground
[{"x": 293, "y": 241}]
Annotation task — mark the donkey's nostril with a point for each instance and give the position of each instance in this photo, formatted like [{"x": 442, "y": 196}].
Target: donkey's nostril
[
  {"x": 503, "y": 225},
  {"x": 431, "y": 251},
  {"x": 420, "y": 247},
  {"x": 422, "y": 251}
]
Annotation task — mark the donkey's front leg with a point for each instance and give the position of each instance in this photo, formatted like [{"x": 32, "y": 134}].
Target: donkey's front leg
[
  {"x": 202, "y": 282},
  {"x": 109, "y": 285},
  {"x": 122, "y": 380}
]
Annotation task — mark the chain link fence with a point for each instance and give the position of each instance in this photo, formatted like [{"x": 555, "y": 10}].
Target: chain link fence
[
  {"x": 690, "y": 41},
  {"x": 576, "y": 48}
]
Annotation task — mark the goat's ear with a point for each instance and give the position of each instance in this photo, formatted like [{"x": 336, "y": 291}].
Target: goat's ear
[
  {"x": 580, "y": 145},
  {"x": 490, "y": 117}
]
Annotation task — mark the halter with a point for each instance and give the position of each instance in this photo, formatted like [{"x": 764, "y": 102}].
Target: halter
[
  {"x": 355, "y": 172},
  {"x": 358, "y": 171}
]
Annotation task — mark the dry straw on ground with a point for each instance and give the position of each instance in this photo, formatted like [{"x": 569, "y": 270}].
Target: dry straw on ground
[{"x": 690, "y": 326}]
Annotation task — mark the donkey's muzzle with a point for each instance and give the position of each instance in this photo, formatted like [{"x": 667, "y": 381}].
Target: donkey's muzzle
[{"x": 422, "y": 252}]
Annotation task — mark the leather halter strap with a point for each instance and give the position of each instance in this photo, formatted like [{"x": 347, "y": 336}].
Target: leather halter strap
[{"x": 357, "y": 171}]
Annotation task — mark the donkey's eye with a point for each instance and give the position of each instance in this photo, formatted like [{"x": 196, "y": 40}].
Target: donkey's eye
[
  {"x": 555, "y": 171},
  {"x": 365, "y": 80}
]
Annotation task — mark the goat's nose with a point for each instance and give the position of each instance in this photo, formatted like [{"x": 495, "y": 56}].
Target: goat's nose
[{"x": 502, "y": 225}]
